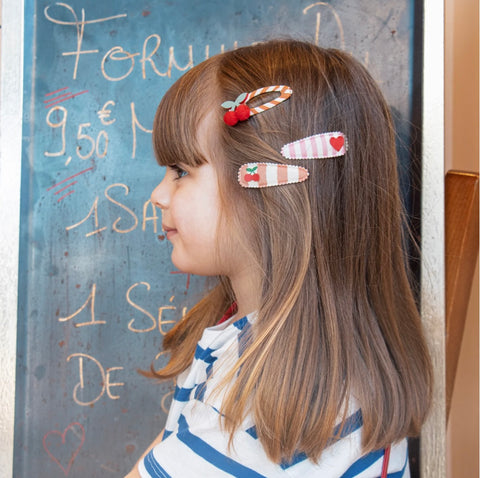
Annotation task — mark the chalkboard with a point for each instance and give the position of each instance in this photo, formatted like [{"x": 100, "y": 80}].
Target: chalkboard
[{"x": 97, "y": 290}]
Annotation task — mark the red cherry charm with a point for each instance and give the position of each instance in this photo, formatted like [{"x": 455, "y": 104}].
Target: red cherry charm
[
  {"x": 243, "y": 112},
  {"x": 248, "y": 177},
  {"x": 255, "y": 177},
  {"x": 230, "y": 117}
]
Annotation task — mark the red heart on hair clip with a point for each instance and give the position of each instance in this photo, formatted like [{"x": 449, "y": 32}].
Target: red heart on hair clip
[{"x": 337, "y": 142}]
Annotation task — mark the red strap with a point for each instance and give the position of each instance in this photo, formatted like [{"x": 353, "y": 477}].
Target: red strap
[{"x": 386, "y": 458}]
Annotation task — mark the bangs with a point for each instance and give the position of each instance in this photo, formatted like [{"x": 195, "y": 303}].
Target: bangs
[{"x": 179, "y": 115}]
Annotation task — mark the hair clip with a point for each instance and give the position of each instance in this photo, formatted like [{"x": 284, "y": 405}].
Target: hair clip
[
  {"x": 261, "y": 175},
  {"x": 238, "y": 110},
  {"x": 318, "y": 146}
]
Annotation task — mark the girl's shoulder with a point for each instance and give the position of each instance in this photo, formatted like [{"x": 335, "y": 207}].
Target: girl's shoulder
[
  {"x": 222, "y": 338},
  {"x": 193, "y": 432},
  {"x": 215, "y": 354},
  {"x": 205, "y": 450}
]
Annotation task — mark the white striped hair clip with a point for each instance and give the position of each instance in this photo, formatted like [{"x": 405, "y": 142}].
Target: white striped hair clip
[
  {"x": 238, "y": 110},
  {"x": 318, "y": 146},
  {"x": 262, "y": 175}
]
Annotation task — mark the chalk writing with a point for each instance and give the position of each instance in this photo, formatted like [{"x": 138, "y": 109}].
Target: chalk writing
[
  {"x": 63, "y": 447},
  {"x": 61, "y": 123},
  {"x": 83, "y": 387},
  {"x": 172, "y": 62},
  {"x": 94, "y": 145},
  {"x": 88, "y": 145},
  {"x": 118, "y": 54},
  {"x": 80, "y": 28},
  {"x": 161, "y": 322},
  {"x": 122, "y": 206},
  {"x": 104, "y": 113},
  {"x": 153, "y": 217},
  {"x": 61, "y": 97},
  {"x": 90, "y": 300},
  {"x": 319, "y": 18},
  {"x": 64, "y": 188},
  {"x": 166, "y": 400},
  {"x": 93, "y": 213},
  {"x": 153, "y": 324},
  {"x": 135, "y": 124}
]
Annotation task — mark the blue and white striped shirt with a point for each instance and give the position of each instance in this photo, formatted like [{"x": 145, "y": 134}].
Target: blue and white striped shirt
[{"x": 195, "y": 446}]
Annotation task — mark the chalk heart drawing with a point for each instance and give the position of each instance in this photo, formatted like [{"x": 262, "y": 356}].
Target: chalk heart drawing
[{"x": 60, "y": 446}]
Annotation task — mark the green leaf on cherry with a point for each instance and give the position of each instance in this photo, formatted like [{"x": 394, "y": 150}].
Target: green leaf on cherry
[
  {"x": 240, "y": 98},
  {"x": 229, "y": 105}
]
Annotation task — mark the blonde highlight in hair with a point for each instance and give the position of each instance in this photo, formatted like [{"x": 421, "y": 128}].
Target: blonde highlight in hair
[{"x": 337, "y": 319}]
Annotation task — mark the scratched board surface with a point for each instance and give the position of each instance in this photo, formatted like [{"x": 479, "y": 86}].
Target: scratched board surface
[{"x": 97, "y": 289}]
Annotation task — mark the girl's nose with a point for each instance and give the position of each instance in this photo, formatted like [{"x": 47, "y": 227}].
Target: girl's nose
[{"x": 161, "y": 194}]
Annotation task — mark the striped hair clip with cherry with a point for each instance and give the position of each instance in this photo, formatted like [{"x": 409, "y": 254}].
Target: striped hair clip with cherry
[
  {"x": 262, "y": 175},
  {"x": 238, "y": 110}
]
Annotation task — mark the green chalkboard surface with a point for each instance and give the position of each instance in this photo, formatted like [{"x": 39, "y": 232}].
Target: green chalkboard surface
[{"x": 97, "y": 290}]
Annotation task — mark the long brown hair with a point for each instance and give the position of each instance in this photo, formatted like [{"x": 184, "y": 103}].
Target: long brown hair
[{"x": 338, "y": 321}]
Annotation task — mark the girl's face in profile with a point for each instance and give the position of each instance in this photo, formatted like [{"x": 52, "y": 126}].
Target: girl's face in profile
[
  {"x": 191, "y": 205},
  {"x": 189, "y": 200}
]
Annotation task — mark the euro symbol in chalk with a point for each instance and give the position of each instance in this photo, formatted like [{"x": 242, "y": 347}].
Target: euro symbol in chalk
[{"x": 105, "y": 113}]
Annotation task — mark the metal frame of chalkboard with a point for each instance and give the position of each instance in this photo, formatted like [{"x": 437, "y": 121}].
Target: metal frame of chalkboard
[{"x": 432, "y": 222}]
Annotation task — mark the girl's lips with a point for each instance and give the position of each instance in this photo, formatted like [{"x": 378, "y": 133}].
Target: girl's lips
[{"x": 170, "y": 231}]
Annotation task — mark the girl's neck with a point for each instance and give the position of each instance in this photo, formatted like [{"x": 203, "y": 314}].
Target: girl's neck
[{"x": 246, "y": 287}]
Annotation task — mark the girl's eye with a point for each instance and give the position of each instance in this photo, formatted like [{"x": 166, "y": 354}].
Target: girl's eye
[{"x": 178, "y": 171}]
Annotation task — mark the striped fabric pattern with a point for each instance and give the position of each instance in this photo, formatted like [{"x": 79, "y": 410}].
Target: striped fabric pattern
[
  {"x": 318, "y": 146},
  {"x": 285, "y": 93},
  {"x": 195, "y": 446},
  {"x": 270, "y": 174}
]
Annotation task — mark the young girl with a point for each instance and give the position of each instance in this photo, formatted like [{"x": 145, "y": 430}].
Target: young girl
[{"x": 307, "y": 359}]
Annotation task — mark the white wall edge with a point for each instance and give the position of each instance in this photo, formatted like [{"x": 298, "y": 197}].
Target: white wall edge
[
  {"x": 433, "y": 447},
  {"x": 11, "y": 88}
]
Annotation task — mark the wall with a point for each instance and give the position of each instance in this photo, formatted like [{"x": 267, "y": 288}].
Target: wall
[
  {"x": 461, "y": 136},
  {"x": 10, "y": 152}
]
